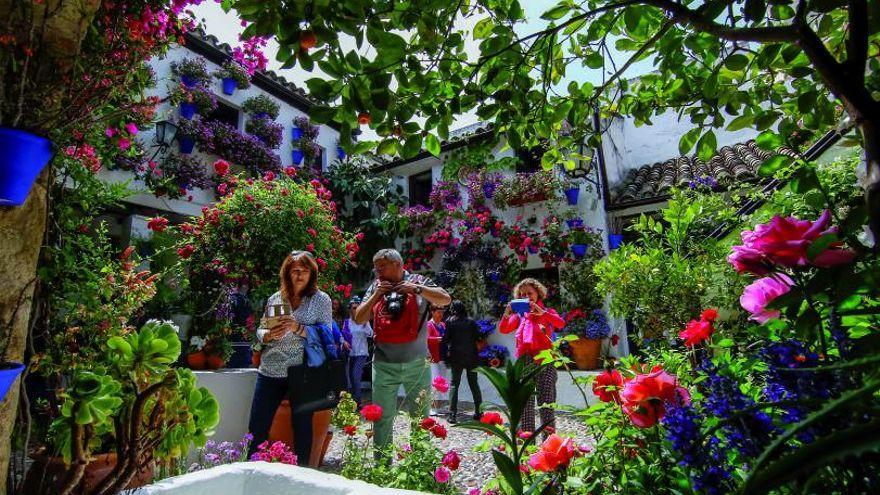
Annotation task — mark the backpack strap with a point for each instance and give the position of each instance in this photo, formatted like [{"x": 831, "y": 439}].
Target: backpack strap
[{"x": 424, "y": 317}]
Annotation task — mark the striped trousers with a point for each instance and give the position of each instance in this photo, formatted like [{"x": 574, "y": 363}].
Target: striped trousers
[{"x": 546, "y": 393}]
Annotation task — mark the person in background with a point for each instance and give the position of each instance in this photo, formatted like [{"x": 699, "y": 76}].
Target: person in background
[
  {"x": 283, "y": 338},
  {"x": 460, "y": 354},
  {"x": 436, "y": 329},
  {"x": 534, "y": 333},
  {"x": 359, "y": 354}
]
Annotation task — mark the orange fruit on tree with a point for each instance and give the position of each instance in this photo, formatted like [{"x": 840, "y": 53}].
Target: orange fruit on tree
[
  {"x": 307, "y": 40},
  {"x": 364, "y": 118}
]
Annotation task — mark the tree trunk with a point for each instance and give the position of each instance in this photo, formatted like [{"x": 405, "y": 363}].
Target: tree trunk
[
  {"x": 21, "y": 235},
  {"x": 22, "y": 228},
  {"x": 871, "y": 140}
]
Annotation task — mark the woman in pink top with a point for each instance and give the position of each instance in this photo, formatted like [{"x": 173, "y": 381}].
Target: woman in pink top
[
  {"x": 534, "y": 333},
  {"x": 436, "y": 329}
]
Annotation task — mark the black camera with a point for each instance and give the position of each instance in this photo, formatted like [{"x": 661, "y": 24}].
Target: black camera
[{"x": 394, "y": 304}]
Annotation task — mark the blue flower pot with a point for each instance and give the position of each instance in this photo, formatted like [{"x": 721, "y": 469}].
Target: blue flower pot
[
  {"x": 8, "y": 376},
  {"x": 520, "y": 306},
  {"x": 494, "y": 276},
  {"x": 340, "y": 153},
  {"x": 261, "y": 115},
  {"x": 229, "y": 86},
  {"x": 488, "y": 190},
  {"x": 579, "y": 250},
  {"x": 572, "y": 195},
  {"x": 614, "y": 240},
  {"x": 186, "y": 143},
  {"x": 296, "y": 133},
  {"x": 187, "y": 110},
  {"x": 241, "y": 355},
  {"x": 574, "y": 223},
  {"x": 533, "y": 250},
  {"x": 22, "y": 157},
  {"x": 297, "y": 156},
  {"x": 188, "y": 81}
]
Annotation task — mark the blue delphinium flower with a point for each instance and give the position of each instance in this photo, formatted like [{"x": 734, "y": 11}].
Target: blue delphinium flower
[
  {"x": 597, "y": 325},
  {"x": 705, "y": 460}
]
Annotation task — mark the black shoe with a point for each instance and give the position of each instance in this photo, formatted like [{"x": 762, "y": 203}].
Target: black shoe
[
  {"x": 477, "y": 416},
  {"x": 453, "y": 418}
]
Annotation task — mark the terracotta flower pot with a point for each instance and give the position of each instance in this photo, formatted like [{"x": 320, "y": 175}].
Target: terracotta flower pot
[
  {"x": 585, "y": 353},
  {"x": 255, "y": 359},
  {"x": 282, "y": 430},
  {"x": 214, "y": 362},
  {"x": 46, "y": 475},
  {"x": 196, "y": 360}
]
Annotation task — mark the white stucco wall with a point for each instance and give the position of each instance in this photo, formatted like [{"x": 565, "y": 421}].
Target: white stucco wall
[
  {"x": 627, "y": 146},
  {"x": 165, "y": 81}
]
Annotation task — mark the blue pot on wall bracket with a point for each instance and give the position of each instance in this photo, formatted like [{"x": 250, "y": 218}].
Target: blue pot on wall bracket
[
  {"x": 574, "y": 223},
  {"x": 296, "y": 134},
  {"x": 8, "y": 373},
  {"x": 533, "y": 249},
  {"x": 187, "y": 144},
  {"x": 188, "y": 81},
  {"x": 187, "y": 110},
  {"x": 23, "y": 156},
  {"x": 572, "y": 194},
  {"x": 614, "y": 240},
  {"x": 229, "y": 86},
  {"x": 579, "y": 250},
  {"x": 340, "y": 153},
  {"x": 297, "y": 156}
]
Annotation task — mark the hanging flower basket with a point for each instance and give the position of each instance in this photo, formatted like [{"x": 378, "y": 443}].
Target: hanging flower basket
[
  {"x": 297, "y": 156},
  {"x": 187, "y": 144},
  {"x": 296, "y": 133},
  {"x": 8, "y": 373},
  {"x": 188, "y": 81},
  {"x": 614, "y": 240},
  {"x": 572, "y": 194},
  {"x": 229, "y": 85},
  {"x": 187, "y": 110},
  {"x": 22, "y": 157},
  {"x": 579, "y": 250}
]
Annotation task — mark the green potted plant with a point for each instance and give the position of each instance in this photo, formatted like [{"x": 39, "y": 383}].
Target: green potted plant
[
  {"x": 582, "y": 239},
  {"x": 134, "y": 400},
  {"x": 233, "y": 76},
  {"x": 261, "y": 106}
]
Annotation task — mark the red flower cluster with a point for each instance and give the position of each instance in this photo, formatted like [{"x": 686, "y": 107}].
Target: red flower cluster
[
  {"x": 436, "y": 429},
  {"x": 556, "y": 452},
  {"x": 607, "y": 386},
  {"x": 698, "y": 331},
  {"x": 350, "y": 430},
  {"x": 157, "y": 224},
  {"x": 491, "y": 418},
  {"x": 372, "y": 412}
]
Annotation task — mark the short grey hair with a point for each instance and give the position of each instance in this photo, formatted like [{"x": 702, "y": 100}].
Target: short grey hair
[{"x": 388, "y": 254}]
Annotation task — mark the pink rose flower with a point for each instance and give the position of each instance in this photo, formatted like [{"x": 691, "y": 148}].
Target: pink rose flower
[
  {"x": 132, "y": 128},
  {"x": 784, "y": 242},
  {"x": 442, "y": 474},
  {"x": 646, "y": 397},
  {"x": 440, "y": 384},
  {"x": 760, "y": 293}
]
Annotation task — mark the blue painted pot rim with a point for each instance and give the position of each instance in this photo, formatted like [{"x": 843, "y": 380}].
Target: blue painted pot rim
[
  {"x": 8, "y": 376},
  {"x": 23, "y": 155}
]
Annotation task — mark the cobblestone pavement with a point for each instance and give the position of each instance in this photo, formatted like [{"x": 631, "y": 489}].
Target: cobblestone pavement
[{"x": 476, "y": 467}]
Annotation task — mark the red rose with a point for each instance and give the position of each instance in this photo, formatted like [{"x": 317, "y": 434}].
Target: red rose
[
  {"x": 696, "y": 332},
  {"x": 290, "y": 171},
  {"x": 439, "y": 431},
  {"x": 710, "y": 314},
  {"x": 646, "y": 397},
  {"x": 221, "y": 167},
  {"x": 157, "y": 224},
  {"x": 491, "y": 418},
  {"x": 607, "y": 385},
  {"x": 321, "y": 263},
  {"x": 451, "y": 460},
  {"x": 372, "y": 412},
  {"x": 350, "y": 430},
  {"x": 186, "y": 251},
  {"x": 427, "y": 423},
  {"x": 785, "y": 242},
  {"x": 555, "y": 452}
]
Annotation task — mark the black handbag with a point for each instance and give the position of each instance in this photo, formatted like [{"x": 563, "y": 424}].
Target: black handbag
[{"x": 315, "y": 389}]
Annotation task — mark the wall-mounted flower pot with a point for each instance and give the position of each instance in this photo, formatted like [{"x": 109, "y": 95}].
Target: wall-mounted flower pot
[
  {"x": 229, "y": 86},
  {"x": 494, "y": 276},
  {"x": 340, "y": 153},
  {"x": 614, "y": 240},
  {"x": 488, "y": 190},
  {"x": 196, "y": 360},
  {"x": 187, "y": 110},
  {"x": 572, "y": 195},
  {"x": 297, "y": 156},
  {"x": 579, "y": 250},
  {"x": 187, "y": 144},
  {"x": 22, "y": 157},
  {"x": 188, "y": 81},
  {"x": 296, "y": 134},
  {"x": 574, "y": 223},
  {"x": 533, "y": 249},
  {"x": 261, "y": 115},
  {"x": 8, "y": 373}
]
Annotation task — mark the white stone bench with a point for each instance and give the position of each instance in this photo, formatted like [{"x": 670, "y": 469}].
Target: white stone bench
[{"x": 263, "y": 478}]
